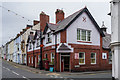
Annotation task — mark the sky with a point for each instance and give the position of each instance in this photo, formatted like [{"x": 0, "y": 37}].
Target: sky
[{"x": 13, "y": 24}]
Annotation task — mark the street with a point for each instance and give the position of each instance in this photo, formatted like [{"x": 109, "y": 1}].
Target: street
[{"x": 10, "y": 72}]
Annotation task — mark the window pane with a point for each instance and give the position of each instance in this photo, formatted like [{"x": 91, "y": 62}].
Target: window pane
[
  {"x": 93, "y": 57},
  {"x": 83, "y": 35},
  {"x": 88, "y": 35},
  {"x": 81, "y": 58}
]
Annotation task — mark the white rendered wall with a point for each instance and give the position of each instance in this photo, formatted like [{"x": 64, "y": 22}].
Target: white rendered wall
[
  {"x": 53, "y": 39},
  {"x": 88, "y": 25}
]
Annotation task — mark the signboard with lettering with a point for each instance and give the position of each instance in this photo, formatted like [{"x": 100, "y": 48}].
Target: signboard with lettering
[{"x": 76, "y": 55}]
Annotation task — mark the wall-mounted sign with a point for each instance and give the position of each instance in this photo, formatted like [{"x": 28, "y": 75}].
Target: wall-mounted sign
[
  {"x": 76, "y": 55},
  {"x": 104, "y": 55},
  {"x": 77, "y": 66}
]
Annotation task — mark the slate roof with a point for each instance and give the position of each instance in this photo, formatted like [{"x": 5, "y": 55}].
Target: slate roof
[
  {"x": 62, "y": 25},
  {"x": 106, "y": 41},
  {"x": 64, "y": 47}
]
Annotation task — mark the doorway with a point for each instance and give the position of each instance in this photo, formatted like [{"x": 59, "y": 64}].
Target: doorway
[{"x": 65, "y": 63}]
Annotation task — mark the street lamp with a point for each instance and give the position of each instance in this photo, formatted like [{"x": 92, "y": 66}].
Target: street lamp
[{"x": 41, "y": 45}]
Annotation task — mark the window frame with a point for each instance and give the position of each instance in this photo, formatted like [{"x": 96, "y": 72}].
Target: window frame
[
  {"x": 84, "y": 58},
  {"x": 52, "y": 57},
  {"x": 49, "y": 38},
  {"x": 91, "y": 59},
  {"x": 32, "y": 60},
  {"x": 79, "y": 35}
]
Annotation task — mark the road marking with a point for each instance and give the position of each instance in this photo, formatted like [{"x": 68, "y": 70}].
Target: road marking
[
  {"x": 61, "y": 77},
  {"x": 8, "y": 69},
  {"x": 15, "y": 66},
  {"x": 56, "y": 76},
  {"x": 52, "y": 76},
  {"x": 92, "y": 74},
  {"x": 15, "y": 73},
  {"x": 23, "y": 76},
  {"x": 3, "y": 67}
]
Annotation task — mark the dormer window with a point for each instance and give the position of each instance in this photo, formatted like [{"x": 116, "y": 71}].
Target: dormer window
[
  {"x": 38, "y": 43},
  {"x": 30, "y": 47},
  {"x": 49, "y": 38}
]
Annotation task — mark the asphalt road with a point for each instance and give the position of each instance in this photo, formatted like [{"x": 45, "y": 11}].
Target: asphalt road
[{"x": 10, "y": 72}]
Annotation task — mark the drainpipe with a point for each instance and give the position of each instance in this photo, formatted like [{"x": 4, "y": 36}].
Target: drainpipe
[{"x": 55, "y": 52}]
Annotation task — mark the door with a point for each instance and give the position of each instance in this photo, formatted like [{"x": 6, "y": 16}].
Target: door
[{"x": 66, "y": 63}]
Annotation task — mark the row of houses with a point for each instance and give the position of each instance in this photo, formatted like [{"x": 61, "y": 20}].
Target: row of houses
[{"x": 74, "y": 43}]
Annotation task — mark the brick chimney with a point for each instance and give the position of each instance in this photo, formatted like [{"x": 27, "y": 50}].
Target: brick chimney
[
  {"x": 59, "y": 15},
  {"x": 35, "y": 22},
  {"x": 43, "y": 20}
]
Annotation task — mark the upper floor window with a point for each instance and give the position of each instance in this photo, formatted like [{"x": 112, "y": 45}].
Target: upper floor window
[
  {"x": 38, "y": 43},
  {"x": 49, "y": 38},
  {"x": 83, "y": 35},
  {"x": 30, "y": 46},
  {"x": 81, "y": 58},
  {"x": 93, "y": 58}
]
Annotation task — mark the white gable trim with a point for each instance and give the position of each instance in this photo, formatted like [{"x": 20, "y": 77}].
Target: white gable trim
[{"x": 65, "y": 51}]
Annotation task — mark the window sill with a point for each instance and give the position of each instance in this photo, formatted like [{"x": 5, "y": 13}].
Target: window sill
[
  {"x": 84, "y": 41},
  {"x": 81, "y": 63},
  {"x": 93, "y": 63}
]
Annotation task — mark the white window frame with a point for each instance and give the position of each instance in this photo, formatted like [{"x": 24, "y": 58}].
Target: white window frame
[
  {"x": 32, "y": 59},
  {"x": 50, "y": 37},
  {"x": 91, "y": 59},
  {"x": 80, "y": 35},
  {"x": 52, "y": 56},
  {"x": 84, "y": 58}
]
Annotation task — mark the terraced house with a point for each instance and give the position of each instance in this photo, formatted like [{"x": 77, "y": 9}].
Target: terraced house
[{"x": 74, "y": 43}]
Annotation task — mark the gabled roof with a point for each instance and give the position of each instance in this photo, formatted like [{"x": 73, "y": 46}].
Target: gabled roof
[
  {"x": 65, "y": 23},
  {"x": 37, "y": 33},
  {"x": 63, "y": 47},
  {"x": 51, "y": 26}
]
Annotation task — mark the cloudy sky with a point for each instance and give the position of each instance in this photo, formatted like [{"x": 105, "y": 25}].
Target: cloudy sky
[{"x": 13, "y": 24}]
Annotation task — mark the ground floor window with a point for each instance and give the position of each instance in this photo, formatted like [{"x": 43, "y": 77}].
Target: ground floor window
[
  {"x": 52, "y": 58},
  {"x": 32, "y": 59},
  {"x": 93, "y": 58},
  {"x": 81, "y": 58},
  {"x": 29, "y": 59}
]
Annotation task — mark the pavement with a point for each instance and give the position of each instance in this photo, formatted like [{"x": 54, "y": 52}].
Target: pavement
[{"x": 13, "y": 70}]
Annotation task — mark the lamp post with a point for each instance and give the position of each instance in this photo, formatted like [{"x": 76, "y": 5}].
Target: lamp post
[
  {"x": 41, "y": 45},
  {"x": 33, "y": 54}
]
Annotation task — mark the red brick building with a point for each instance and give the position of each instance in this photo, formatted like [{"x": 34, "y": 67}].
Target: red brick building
[{"x": 74, "y": 43}]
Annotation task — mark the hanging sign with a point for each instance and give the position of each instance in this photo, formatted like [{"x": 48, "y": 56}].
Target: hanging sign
[{"x": 76, "y": 55}]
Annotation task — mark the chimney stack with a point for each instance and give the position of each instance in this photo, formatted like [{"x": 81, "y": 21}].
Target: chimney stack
[
  {"x": 59, "y": 15},
  {"x": 35, "y": 22},
  {"x": 43, "y": 20},
  {"x": 103, "y": 28}
]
